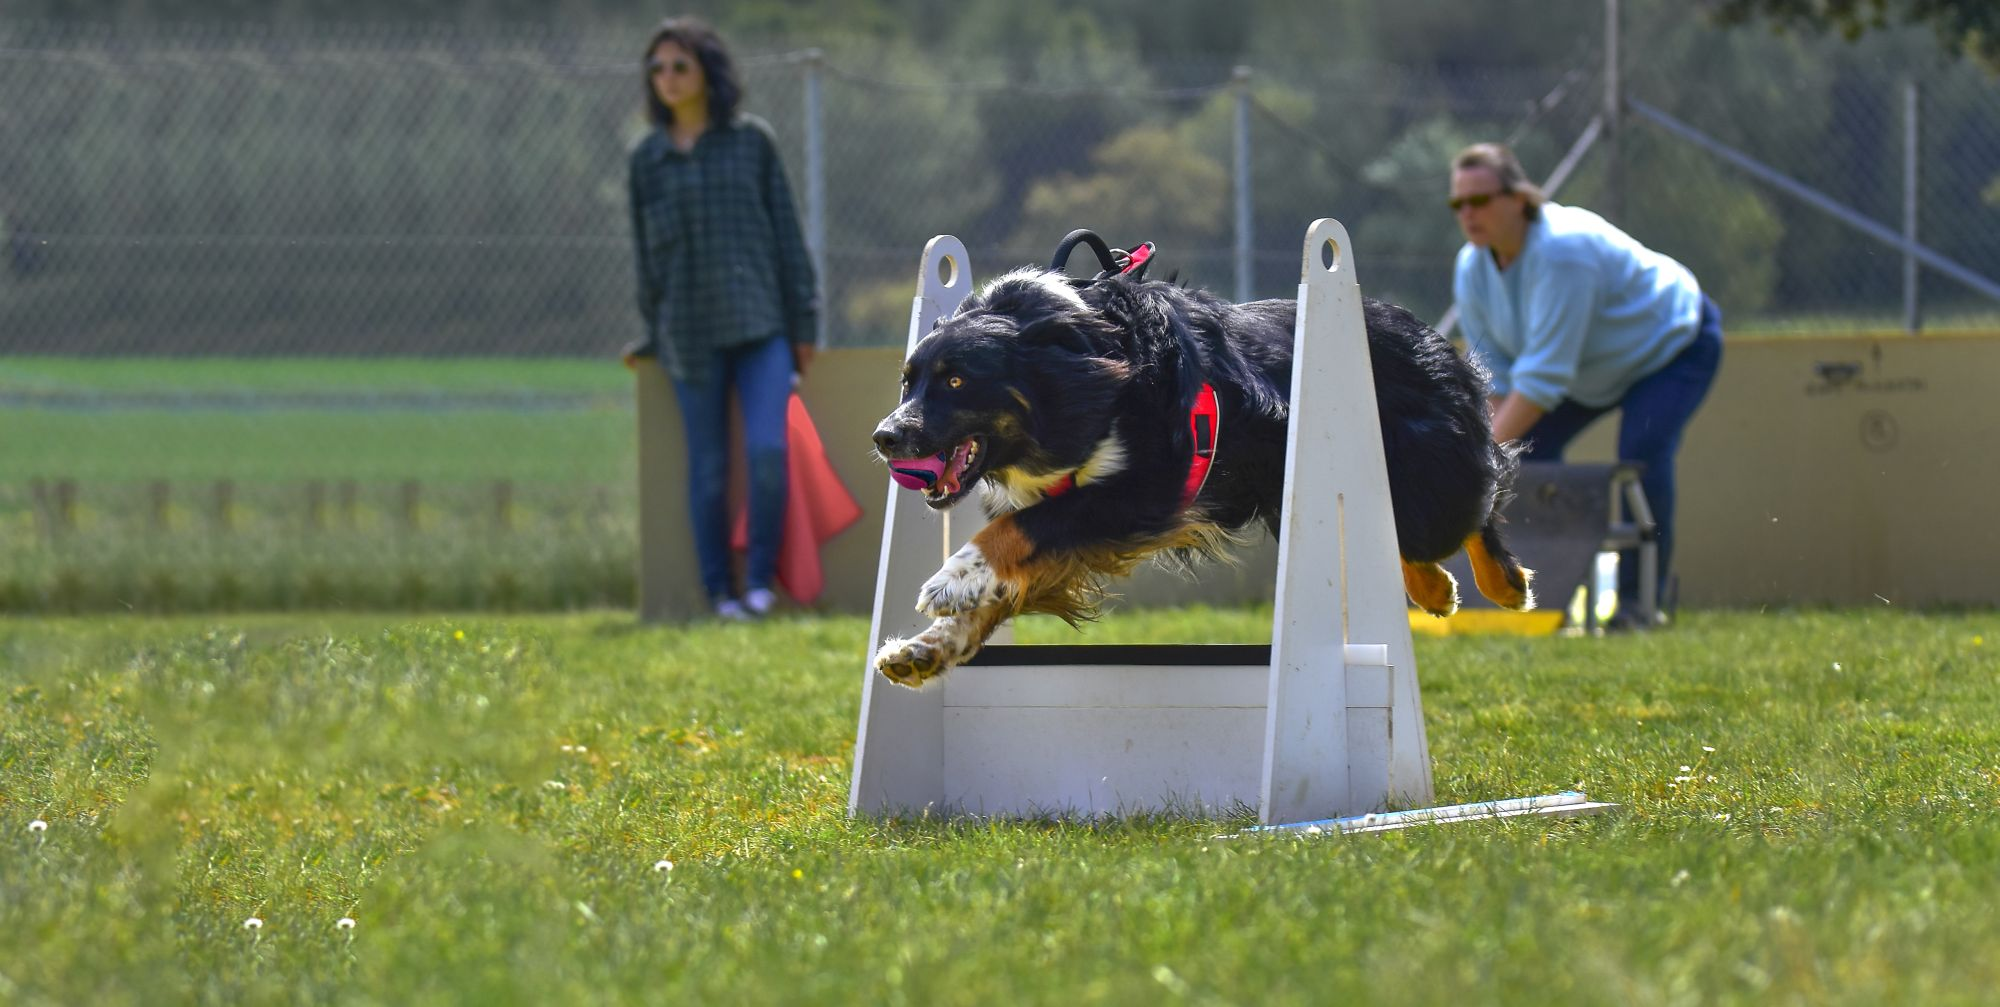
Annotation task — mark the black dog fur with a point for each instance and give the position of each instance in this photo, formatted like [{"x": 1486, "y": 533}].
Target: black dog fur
[{"x": 1032, "y": 380}]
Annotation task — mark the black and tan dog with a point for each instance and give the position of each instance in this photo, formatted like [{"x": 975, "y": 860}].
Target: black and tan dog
[{"x": 1137, "y": 419}]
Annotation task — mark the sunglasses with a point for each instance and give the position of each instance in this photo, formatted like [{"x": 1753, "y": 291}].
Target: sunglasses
[
  {"x": 1458, "y": 203},
  {"x": 678, "y": 67}
]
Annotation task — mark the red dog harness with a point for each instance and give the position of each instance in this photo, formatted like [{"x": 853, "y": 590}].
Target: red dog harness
[
  {"x": 1205, "y": 424},
  {"x": 1204, "y": 420}
]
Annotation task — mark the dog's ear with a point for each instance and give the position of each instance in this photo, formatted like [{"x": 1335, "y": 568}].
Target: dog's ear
[{"x": 1061, "y": 332}]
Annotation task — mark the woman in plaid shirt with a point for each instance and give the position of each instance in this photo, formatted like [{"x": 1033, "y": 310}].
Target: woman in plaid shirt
[{"x": 726, "y": 291}]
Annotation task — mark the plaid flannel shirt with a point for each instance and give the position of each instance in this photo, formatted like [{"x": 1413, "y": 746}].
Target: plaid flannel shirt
[{"x": 722, "y": 261}]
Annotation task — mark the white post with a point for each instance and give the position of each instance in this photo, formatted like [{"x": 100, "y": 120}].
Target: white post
[
  {"x": 1338, "y": 531},
  {"x": 899, "y": 748}
]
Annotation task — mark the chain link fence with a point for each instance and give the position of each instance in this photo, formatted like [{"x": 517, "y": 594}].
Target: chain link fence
[{"x": 234, "y": 192}]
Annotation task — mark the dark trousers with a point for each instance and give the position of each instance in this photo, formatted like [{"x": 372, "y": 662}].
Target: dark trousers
[
  {"x": 1656, "y": 414},
  {"x": 761, "y": 374}
]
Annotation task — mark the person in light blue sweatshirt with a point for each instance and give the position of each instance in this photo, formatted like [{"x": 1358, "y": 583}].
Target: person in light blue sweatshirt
[{"x": 1572, "y": 318}]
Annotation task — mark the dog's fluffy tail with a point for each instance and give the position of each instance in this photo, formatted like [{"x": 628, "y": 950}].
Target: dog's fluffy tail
[{"x": 1506, "y": 461}]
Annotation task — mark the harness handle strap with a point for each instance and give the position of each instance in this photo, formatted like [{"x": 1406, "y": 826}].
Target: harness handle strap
[{"x": 1084, "y": 236}]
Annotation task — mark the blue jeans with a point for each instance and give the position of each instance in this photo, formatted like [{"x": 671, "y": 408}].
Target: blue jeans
[
  {"x": 1657, "y": 411},
  {"x": 762, "y": 376}
]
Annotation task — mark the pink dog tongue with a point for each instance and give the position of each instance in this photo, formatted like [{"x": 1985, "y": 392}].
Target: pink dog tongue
[{"x": 916, "y": 473}]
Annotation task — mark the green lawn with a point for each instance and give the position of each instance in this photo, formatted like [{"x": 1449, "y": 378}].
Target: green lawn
[
  {"x": 582, "y": 447},
  {"x": 1811, "y": 818},
  {"x": 560, "y": 433},
  {"x": 590, "y": 440},
  {"x": 567, "y": 375}
]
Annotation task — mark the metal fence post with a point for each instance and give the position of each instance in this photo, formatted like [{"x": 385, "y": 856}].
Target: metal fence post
[
  {"x": 1614, "y": 102},
  {"x": 1241, "y": 81},
  {"x": 815, "y": 61},
  {"x": 1912, "y": 309}
]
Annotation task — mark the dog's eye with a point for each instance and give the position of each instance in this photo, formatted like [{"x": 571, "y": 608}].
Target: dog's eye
[{"x": 954, "y": 381}]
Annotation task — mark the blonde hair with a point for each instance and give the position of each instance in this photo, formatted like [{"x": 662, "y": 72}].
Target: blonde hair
[{"x": 1498, "y": 159}]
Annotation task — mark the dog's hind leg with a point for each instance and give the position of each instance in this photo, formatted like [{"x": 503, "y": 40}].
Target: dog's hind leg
[
  {"x": 948, "y": 643},
  {"x": 1431, "y": 586},
  {"x": 1500, "y": 575}
]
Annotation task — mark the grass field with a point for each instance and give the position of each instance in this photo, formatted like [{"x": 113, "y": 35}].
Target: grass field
[
  {"x": 1811, "y": 818},
  {"x": 307, "y": 374},
  {"x": 561, "y": 433},
  {"x": 450, "y": 421}
]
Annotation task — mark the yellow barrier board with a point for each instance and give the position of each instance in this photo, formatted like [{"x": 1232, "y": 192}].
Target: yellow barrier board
[{"x": 1540, "y": 622}]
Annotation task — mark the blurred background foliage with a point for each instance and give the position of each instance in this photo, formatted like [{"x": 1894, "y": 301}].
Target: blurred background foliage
[{"x": 447, "y": 178}]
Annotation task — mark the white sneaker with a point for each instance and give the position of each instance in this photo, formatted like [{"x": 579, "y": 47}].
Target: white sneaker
[
  {"x": 760, "y": 601},
  {"x": 732, "y": 610}
]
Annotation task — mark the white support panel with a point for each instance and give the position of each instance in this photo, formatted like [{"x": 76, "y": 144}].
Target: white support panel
[
  {"x": 1083, "y": 739},
  {"x": 899, "y": 747},
  {"x": 1091, "y": 740},
  {"x": 1339, "y": 571}
]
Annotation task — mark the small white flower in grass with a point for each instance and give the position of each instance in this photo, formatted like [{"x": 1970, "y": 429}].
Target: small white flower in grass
[
  {"x": 663, "y": 866},
  {"x": 556, "y": 785},
  {"x": 1314, "y": 830},
  {"x": 1708, "y": 748},
  {"x": 37, "y": 825},
  {"x": 1680, "y": 877},
  {"x": 344, "y": 923},
  {"x": 1687, "y": 769},
  {"x": 253, "y": 923},
  {"x": 1836, "y": 665},
  {"x": 569, "y": 748},
  {"x": 1723, "y": 817}
]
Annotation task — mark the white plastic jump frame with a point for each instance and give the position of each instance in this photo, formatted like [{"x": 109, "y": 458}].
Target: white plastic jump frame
[{"x": 1110, "y": 730}]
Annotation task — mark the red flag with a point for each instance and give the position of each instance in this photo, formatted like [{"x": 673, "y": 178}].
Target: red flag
[{"x": 817, "y": 507}]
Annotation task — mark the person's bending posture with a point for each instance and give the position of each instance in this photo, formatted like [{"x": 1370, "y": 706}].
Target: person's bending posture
[{"x": 1574, "y": 318}]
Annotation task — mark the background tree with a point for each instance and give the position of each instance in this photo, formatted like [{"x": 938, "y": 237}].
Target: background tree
[{"x": 1966, "y": 26}]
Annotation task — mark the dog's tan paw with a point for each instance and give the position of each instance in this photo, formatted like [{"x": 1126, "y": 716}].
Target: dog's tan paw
[
  {"x": 909, "y": 663},
  {"x": 1432, "y": 587},
  {"x": 965, "y": 583}
]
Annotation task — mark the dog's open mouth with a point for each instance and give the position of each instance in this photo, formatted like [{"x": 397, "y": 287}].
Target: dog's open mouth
[
  {"x": 961, "y": 470},
  {"x": 944, "y": 477}
]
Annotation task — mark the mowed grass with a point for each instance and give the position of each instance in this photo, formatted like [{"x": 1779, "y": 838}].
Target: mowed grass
[
  {"x": 1810, "y": 818},
  {"x": 568, "y": 375},
  {"x": 270, "y": 436},
  {"x": 591, "y": 439}
]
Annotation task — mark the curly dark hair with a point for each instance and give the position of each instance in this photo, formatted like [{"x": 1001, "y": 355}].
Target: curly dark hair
[{"x": 725, "y": 91}]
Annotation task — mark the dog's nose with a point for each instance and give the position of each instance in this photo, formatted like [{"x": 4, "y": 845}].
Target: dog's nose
[{"x": 887, "y": 437}]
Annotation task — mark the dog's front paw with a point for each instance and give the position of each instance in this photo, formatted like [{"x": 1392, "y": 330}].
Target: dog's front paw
[
  {"x": 909, "y": 663},
  {"x": 965, "y": 583}
]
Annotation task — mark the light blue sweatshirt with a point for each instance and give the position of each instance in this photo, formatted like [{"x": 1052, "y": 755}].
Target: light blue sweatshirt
[{"x": 1582, "y": 313}]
